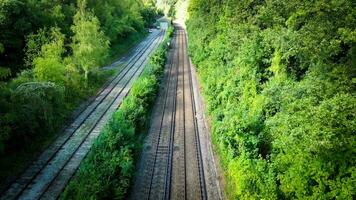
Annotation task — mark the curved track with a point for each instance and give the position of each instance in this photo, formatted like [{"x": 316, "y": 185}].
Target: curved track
[{"x": 48, "y": 175}]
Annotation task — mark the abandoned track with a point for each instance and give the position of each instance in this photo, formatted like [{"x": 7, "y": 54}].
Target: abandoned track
[
  {"x": 49, "y": 174},
  {"x": 171, "y": 164}
]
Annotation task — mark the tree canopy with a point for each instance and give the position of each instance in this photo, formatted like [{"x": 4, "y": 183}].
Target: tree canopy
[
  {"x": 279, "y": 80},
  {"x": 51, "y": 50}
]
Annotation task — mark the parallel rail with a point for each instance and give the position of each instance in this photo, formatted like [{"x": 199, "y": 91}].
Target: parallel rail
[
  {"x": 105, "y": 99},
  {"x": 152, "y": 170},
  {"x": 197, "y": 139},
  {"x": 171, "y": 123}
]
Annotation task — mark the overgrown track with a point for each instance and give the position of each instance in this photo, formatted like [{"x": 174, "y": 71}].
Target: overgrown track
[
  {"x": 47, "y": 176},
  {"x": 171, "y": 166}
]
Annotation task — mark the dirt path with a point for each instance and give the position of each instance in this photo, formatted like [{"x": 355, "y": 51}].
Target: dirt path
[
  {"x": 48, "y": 175},
  {"x": 177, "y": 161}
]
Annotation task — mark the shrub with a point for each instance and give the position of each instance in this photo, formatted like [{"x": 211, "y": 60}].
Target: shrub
[
  {"x": 39, "y": 108},
  {"x": 279, "y": 81},
  {"x": 107, "y": 171},
  {"x": 62, "y": 42}
]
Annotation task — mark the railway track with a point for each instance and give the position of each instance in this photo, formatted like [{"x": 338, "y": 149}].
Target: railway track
[
  {"x": 171, "y": 165},
  {"x": 47, "y": 176}
]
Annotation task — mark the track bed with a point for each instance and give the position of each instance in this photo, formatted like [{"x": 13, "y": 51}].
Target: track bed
[
  {"x": 46, "y": 177},
  {"x": 174, "y": 162}
]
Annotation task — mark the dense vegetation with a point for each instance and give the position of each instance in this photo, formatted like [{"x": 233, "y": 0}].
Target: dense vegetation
[
  {"x": 50, "y": 54},
  {"x": 108, "y": 169},
  {"x": 279, "y": 80}
]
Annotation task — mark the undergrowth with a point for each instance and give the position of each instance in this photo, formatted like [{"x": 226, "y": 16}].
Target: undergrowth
[{"x": 108, "y": 169}]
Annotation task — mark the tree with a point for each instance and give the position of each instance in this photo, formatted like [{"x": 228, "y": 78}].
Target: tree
[
  {"x": 89, "y": 44},
  {"x": 49, "y": 65},
  {"x": 19, "y": 18},
  {"x": 149, "y": 14},
  {"x": 279, "y": 82}
]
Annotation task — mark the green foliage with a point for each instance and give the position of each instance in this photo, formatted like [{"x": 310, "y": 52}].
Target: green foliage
[
  {"x": 4, "y": 73},
  {"x": 24, "y": 77},
  {"x": 171, "y": 5},
  {"x": 107, "y": 171},
  {"x": 6, "y": 117},
  {"x": 172, "y": 12},
  {"x": 56, "y": 47},
  {"x": 1, "y": 48},
  {"x": 278, "y": 78},
  {"x": 119, "y": 19},
  {"x": 19, "y": 19},
  {"x": 90, "y": 45},
  {"x": 39, "y": 113},
  {"x": 48, "y": 66},
  {"x": 108, "y": 167},
  {"x": 149, "y": 13},
  {"x": 33, "y": 45}
]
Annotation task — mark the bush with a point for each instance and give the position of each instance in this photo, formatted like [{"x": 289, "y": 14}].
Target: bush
[
  {"x": 6, "y": 117},
  {"x": 38, "y": 109},
  {"x": 107, "y": 171},
  {"x": 64, "y": 43},
  {"x": 279, "y": 82},
  {"x": 32, "y": 111}
]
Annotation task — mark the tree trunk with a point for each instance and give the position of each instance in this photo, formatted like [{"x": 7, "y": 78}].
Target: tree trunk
[{"x": 86, "y": 77}]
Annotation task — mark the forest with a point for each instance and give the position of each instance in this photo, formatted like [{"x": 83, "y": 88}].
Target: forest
[
  {"x": 279, "y": 82},
  {"x": 50, "y": 55}
]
